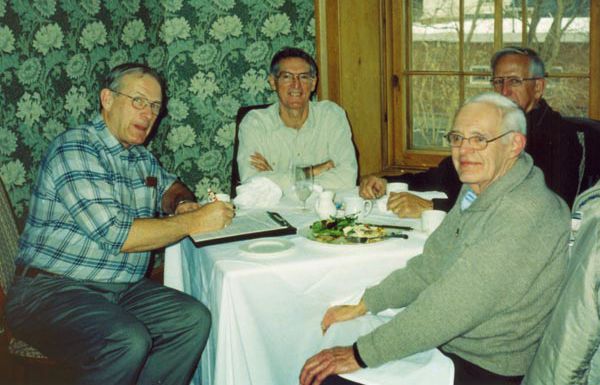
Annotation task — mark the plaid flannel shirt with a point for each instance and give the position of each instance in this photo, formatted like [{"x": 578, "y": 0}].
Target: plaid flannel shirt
[{"x": 89, "y": 190}]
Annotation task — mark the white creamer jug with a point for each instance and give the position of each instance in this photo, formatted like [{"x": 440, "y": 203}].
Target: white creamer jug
[{"x": 324, "y": 205}]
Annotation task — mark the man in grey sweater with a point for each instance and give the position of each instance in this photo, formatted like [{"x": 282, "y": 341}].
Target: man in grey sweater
[{"x": 488, "y": 278}]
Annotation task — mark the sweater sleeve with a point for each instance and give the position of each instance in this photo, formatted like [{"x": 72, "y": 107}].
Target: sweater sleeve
[{"x": 488, "y": 276}]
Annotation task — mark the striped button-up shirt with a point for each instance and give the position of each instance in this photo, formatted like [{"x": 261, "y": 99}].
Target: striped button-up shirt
[{"x": 89, "y": 190}]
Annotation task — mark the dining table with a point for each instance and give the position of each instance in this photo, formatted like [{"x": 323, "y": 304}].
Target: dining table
[{"x": 267, "y": 297}]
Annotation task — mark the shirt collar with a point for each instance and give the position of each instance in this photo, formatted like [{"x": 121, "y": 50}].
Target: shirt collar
[
  {"x": 308, "y": 124},
  {"x": 468, "y": 199}
]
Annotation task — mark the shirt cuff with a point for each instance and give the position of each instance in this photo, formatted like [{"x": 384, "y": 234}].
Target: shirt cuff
[{"x": 357, "y": 357}]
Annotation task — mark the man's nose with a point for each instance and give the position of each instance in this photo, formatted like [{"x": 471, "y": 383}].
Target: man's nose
[
  {"x": 505, "y": 90},
  {"x": 465, "y": 146},
  {"x": 147, "y": 111}
]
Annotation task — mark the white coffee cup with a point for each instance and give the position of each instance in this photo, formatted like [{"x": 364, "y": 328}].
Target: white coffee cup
[
  {"x": 431, "y": 219},
  {"x": 396, "y": 187},
  {"x": 357, "y": 206},
  {"x": 223, "y": 197}
]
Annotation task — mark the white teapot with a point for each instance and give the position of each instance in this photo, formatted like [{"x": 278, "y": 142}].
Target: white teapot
[{"x": 324, "y": 205}]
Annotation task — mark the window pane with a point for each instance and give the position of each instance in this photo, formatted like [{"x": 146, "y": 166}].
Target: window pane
[
  {"x": 559, "y": 31},
  {"x": 435, "y": 27},
  {"x": 568, "y": 96},
  {"x": 433, "y": 102},
  {"x": 479, "y": 35}
]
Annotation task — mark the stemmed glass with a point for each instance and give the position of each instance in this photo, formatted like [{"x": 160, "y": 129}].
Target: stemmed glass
[{"x": 303, "y": 182}]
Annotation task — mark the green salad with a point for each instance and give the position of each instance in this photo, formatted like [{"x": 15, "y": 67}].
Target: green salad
[{"x": 333, "y": 228}]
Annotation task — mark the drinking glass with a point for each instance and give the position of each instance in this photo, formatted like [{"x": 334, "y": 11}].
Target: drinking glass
[{"x": 303, "y": 182}]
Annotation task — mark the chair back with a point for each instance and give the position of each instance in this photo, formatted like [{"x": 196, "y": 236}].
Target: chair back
[
  {"x": 235, "y": 172},
  {"x": 590, "y": 129},
  {"x": 9, "y": 237}
]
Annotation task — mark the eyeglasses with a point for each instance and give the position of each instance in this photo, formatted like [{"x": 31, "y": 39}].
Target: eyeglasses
[
  {"x": 477, "y": 142},
  {"x": 139, "y": 103},
  {"x": 512, "y": 82},
  {"x": 288, "y": 77}
]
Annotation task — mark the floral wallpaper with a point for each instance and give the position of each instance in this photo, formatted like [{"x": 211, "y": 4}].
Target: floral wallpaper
[{"x": 214, "y": 55}]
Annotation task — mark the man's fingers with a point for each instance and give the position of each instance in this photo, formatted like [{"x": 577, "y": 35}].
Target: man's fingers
[
  {"x": 259, "y": 162},
  {"x": 316, "y": 369}
]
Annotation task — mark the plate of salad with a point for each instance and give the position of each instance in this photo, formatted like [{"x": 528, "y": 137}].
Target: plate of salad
[{"x": 345, "y": 231}]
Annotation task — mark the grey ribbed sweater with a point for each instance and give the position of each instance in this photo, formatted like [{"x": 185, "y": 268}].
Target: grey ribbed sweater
[{"x": 486, "y": 282}]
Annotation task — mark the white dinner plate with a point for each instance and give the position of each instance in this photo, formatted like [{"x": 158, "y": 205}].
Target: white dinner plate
[{"x": 267, "y": 247}]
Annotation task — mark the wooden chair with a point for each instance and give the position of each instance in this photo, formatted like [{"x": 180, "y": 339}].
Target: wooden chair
[
  {"x": 21, "y": 356},
  {"x": 235, "y": 172}
]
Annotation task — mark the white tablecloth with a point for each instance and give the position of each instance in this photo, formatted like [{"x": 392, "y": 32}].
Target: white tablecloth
[{"x": 266, "y": 310}]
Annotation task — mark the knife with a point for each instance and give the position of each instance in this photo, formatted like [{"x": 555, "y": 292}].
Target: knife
[
  {"x": 278, "y": 218},
  {"x": 407, "y": 228},
  {"x": 376, "y": 239}
]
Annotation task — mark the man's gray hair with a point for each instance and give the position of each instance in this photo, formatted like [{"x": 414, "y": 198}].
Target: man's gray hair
[
  {"x": 513, "y": 117},
  {"x": 536, "y": 64}
]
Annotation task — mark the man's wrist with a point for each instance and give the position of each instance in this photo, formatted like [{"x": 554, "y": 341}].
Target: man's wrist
[{"x": 183, "y": 201}]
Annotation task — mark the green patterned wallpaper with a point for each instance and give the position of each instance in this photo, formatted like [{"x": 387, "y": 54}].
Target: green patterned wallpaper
[{"x": 213, "y": 53}]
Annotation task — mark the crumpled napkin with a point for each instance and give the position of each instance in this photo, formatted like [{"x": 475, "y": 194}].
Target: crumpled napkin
[{"x": 257, "y": 192}]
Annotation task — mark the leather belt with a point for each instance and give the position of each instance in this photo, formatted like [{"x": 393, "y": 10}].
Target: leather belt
[{"x": 31, "y": 272}]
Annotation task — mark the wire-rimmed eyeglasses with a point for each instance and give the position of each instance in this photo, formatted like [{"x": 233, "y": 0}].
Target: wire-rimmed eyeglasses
[
  {"x": 139, "y": 103},
  {"x": 477, "y": 142},
  {"x": 511, "y": 81},
  {"x": 288, "y": 78}
]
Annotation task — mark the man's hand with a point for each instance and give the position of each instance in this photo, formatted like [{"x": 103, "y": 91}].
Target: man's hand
[
  {"x": 342, "y": 313},
  {"x": 322, "y": 167},
  {"x": 211, "y": 217},
  {"x": 259, "y": 162},
  {"x": 407, "y": 205},
  {"x": 329, "y": 361},
  {"x": 372, "y": 187}
]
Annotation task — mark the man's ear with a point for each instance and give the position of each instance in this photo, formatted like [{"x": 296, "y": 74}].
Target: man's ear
[
  {"x": 272, "y": 82},
  {"x": 106, "y": 98},
  {"x": 540, "y": 85},
  {"x": 518, "y": 143}
]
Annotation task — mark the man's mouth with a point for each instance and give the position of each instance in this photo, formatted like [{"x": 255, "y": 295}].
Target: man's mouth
[{"x": 467, "y": 163}]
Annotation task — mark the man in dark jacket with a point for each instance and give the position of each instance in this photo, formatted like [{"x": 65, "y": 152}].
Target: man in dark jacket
[{"x": 518, "y": 73}]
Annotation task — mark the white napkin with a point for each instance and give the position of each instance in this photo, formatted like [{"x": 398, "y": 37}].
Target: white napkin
[{"x": 257, "y": 192}]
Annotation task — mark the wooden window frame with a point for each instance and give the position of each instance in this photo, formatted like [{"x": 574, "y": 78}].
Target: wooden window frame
[{"x": 337, "y": 63}]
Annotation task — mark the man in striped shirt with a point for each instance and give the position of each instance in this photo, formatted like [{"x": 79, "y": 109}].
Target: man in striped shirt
[{"x": 98, "y": 208}]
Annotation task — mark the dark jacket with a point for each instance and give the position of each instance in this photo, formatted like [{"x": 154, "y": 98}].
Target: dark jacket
[
  {"x": 554, "y": 147},
  {"x": 551, "y": 142}
]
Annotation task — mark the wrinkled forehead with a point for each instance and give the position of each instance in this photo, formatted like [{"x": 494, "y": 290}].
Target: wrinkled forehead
[
  {"x": 478, "y": 118},
  {"x": 512, "y": 65},
  {"x": 139, "y": 84}
]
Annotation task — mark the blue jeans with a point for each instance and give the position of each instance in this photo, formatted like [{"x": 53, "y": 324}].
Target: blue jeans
[{"x": 110, "y": 333}]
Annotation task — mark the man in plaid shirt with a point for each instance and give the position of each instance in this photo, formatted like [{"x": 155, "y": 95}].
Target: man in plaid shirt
[{"x": 79, "y": 294}]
